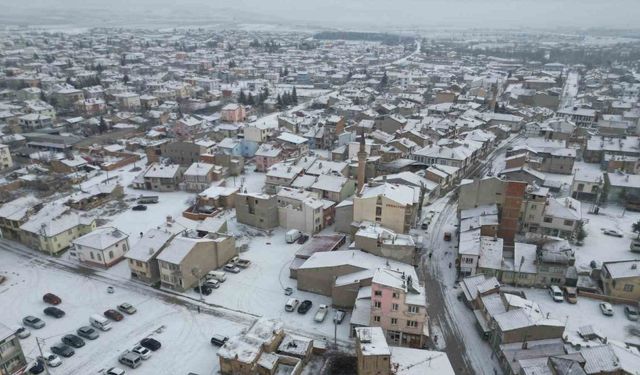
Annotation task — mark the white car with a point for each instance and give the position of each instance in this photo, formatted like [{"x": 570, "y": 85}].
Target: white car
[
  {"x": 142, "y": 351},
  {"x": 115, "y": 371},
  {"x": 606, "y": 308},
  {"x": 23, "y": 332},
  {"x": 613, "y": 232},
  {"x": 230, "y": 267},
  {"x": 52, "y": 360}
]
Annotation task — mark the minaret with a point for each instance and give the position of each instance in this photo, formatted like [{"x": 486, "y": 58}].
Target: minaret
[{"x": 362, "y": 161}]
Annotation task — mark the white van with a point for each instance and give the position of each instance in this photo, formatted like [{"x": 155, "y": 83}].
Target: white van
[
  {"x": 221, "y": 276},
  {"x": 556, "y": 293},
  {"x": 100, "y": 322},
  {"x": 292, "y": 235},
  {"x": 291, "y": 305}
]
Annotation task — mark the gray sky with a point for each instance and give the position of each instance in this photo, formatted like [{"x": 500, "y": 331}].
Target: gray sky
[{"x": 350, "y": 14}]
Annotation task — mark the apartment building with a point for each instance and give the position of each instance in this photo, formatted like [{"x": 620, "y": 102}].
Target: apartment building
[
  {"x": 185, "y": 260},
  {"x": 300, "y": 209},
  {"x": 6, "y": 161},
  {"x": 104, "y": 247},
  {"x": 142, "y": 256},
  {"x": 198, "y": 176},
  {"x": 621, "y": 279},
  {"x": 391, "y": 205},
  {"x": 160, "y": 177},
  {"x": 12, "y": 359},
  {"x": 257, "y": 210}
]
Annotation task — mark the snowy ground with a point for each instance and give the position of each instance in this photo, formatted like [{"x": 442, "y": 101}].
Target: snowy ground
[
  {"x": 600, "y": 247},
  {"x": 184, "y": 334},
  {"x": 585, "y": 312}
]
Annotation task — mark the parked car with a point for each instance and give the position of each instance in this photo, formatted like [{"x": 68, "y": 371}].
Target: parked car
[
  {"x": 51, "y": 299},
  {"x": 73, "y": 341},
  {"x": 205, "y": 290},
  {"x": 142, "y": 351},
  {"x": 339, "y": 316},
  {"x": 211, "y": 284},
  {"x": 634, "y": 246},
  {"x": 219, "y": 340},
  {"x": 2, "y": 279},
  {"x": 88, "y": 333},
  {"x": 115, "y": 371},
  {"x": 230, "y": 267},
  {"x": 632, "y": 313},
  {"x": 52, "y": 360},
  {"x": 63, "y": 350},
  {"x": 302, "y": 239},
  {"x": 221, "y": 276},
  {"x": 37, "y": 367},
  {"x": 54, "y": 312},
  {"x": 23, "y": 332},
  {"x": 613, "y": 232},
  {"x": 242, "y": 263},
  {"x": 113, "y": 315},
  {"x": 100, "y": 322},
  {"x": 127, "y": 308},
  {"x": 292, "y": 235},
  {"x": 129, "y": 358},
  {"x": 139, "y": 207},
  {"x": 606, "y": 308},
  {"x": 151, "y": 344},
  {"x": 447, "y": 236},
  {"x": 33, "y": 322},
  {"x": 305, "y": 306},
  {"x": 321, "y": 313},
  {"x": 288, "y": 291},
  {"x": 556, "y": 293},
  {"x": 571, "y": 294},
  {"x": 291, "y": 304}
]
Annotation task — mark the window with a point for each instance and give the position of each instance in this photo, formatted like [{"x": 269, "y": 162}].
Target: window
[
  {"x": 99, "y": 256},
  {"x": 91, "y": 254},
  {"x": 376, "y": 318},
  {"x": 412, "y": 323},
  {"x": 394, "y": 336},
  {"x": 396, "y": 295},
  {"x": 414, "y": 309},
  {"x": 378, "y": 211},
  {"x": 548, "y": 219},
  {"x": 377, "y": 293},
  {"x": 377, "y": 304},
  {"x": 394, "y": 321},
  {"x": 568, "y": 223},
  {"x": 468, "y": 260},
  {"x": 110, "y": 254},
  {"x": 628, "y": 288},
  {"x": 533, "y": 206},
  {"x": 394, "y": 306}
]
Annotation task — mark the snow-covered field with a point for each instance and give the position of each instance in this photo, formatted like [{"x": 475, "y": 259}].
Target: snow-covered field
[
  {"x": 184, "y": 334},
  {"x": 585, "y": 312}
]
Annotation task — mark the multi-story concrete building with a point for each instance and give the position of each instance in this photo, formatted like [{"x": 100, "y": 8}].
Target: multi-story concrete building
[
  {"x": 142, "y": 256},
  {"x": 232, "y": 113},
  {"x": 12, "y": 359},
  {"x": 386, "y": 243},
  {"x": 15, "y": 213},
  {"x": 390, "y": 205},
  {"x": 6, "y": 161},
  {"x": 160, "y": 177},
  {"x": 198, "y": 176},
  {"x": 280, "y": 175},
  {"x": 257, "y": 210},
  {"x": 299, "y": 209},
  {"x": 185, "y": 260},
  {"x": 621, "y": 279}
]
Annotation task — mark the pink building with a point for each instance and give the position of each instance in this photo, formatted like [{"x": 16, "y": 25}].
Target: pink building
[
  {"x": 398, "y": 306},
  {"x": 232, "y": 113},
  {"x": 266, "y": 156}
]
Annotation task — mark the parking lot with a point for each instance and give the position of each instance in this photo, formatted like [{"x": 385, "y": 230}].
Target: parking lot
[
  {"x": 184, "y": 334},
  {"x": 586, "y": 312}
]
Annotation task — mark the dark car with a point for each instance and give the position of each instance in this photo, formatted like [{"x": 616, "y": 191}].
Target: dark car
[
  {"x": 113, "y": 315},
  {"x": 73, "y": 340},
  {"x": 151, "y": 344},
  {"x": 54, "y": 312},
  {"x": 62, "y": 350},
  {"x": 140, "y": 207},
  {"x": 52, "y": 299},
  {"x": 305, "y": 306},
  {"x": 302, "y": 239},
  {"x": 37, "y": 367},
  {"x": 219, "y": 340},
  {"x": 203, "y": 289}
]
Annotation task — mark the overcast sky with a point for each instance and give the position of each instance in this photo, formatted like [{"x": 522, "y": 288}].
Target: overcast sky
[{"x": 349, "y": 14}]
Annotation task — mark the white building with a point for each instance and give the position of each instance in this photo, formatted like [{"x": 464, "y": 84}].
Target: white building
[
  {"x": 299, "y": 209},
  {"x": 5, "y": 157},
  {"x": 103, "y": 247}
]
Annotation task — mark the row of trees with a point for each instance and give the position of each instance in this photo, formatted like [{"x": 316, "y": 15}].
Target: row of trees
[{"x": 251, "y": 100}]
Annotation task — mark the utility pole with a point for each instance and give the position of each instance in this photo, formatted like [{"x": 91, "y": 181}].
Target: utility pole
[{"x": 44, "y": 361}]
